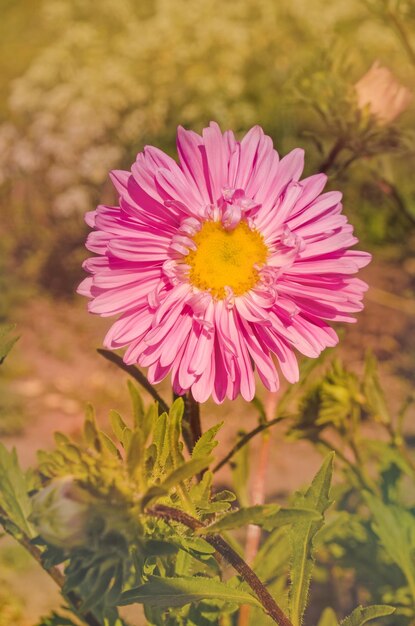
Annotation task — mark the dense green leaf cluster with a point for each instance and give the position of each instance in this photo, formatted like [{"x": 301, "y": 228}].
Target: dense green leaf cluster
[{"x": 157, "y": 533}]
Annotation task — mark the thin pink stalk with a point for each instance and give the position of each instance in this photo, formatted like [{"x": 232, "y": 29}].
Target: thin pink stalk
[{"x": 253, "y": 537}]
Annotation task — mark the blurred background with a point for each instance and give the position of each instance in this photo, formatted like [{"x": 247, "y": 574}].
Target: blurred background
[{"x": 86, "y": 85}]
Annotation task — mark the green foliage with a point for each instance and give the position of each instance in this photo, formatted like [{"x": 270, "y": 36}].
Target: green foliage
[
  {"x": 15, "y": 504},
  {"x": 149, "y": 518},
  {"x": 328, "y": 618},
  {"x": 179, "y": 591},
  {"x": 55, "y": 619},
  {"x": 395, "y": 527},
  {"x": 334, "y": 400},
  {"x": 303, "y": 539},
  {"x": 269, "y": 517},
  {"x": 371, "y": 534},
  {"x": 361, "y": 616}
]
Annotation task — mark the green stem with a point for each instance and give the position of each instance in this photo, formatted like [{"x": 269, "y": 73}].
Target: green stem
[
  {"x": 233, "y": 558},
  {"x": 246, "y": 438},
  {"x": 192, "y": 428},
  {"x": 355, "y": 469},
  {"x": 329, "y": 161},
  {"x": 135, "y": 373},
  {"x": 55, "y": 574}
]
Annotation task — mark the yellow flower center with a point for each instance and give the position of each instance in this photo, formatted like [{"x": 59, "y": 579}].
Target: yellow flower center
[{"x": 226, "y": 258}]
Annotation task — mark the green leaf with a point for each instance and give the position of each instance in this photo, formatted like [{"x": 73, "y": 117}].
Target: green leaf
[
  {"x": 395, "y": 527},
  {"x": 268, "y": 516},
  {"x": 54, "y": 619},
  {"x": 302, "y": 539},
  {"x": 6, "y": 341},
  {"x": 151, "y": 494},
  {"x": 185, "y": 471},
  {"x": 361, "y": 616},
  {"x": 135, "y": 452},
  {"x": 110, "y": 445},
  {"x": 138, "y": 406},
  {"x": 328, "y": 618},
  {"x": 91, "y": 432},
  {"x": 160, "y": 439},
  {"x": 273, "y": 556},
  {"x": 118, "y": 425},
  {"x": 207, "y": 442},
  {"x": 13, "y": 491},
  {"x": 170, "y": 592},
  {"x": 173, "y": 433}
]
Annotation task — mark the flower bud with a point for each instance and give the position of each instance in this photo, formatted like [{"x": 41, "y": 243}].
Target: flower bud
[
  {"x": 60, "y": 513},
  {"x": 379, "y": 90}
]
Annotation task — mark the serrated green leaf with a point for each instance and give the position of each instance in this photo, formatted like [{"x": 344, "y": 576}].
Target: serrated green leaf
[
  {"x": 200, "y": 492},
  {"x": 395, "y": 527},
  {"x": 135, "y": 451},
  {"x": 268, "y": 516},
  {"x": 174, "y": 431},
  {"x": 207, "y": 442},
  {"x": 71, "y": 452},
  {"x": 150, "y": 417},
  {"x": 110, "y": 445},
  {"x": 156, "y": 491},
  {"x": 160, "y": 440},
  {"x": 273, "y": 556},
  {"x": 13, "y": 491},
  {"x": 170, "y": 592},
  {"x": 361, "y": 616},
  {"x": 61, "y": 438},
  {"x": 91, "y": 432},
  {"x": 138, "y": 406},
  {"x": 185, "y": 471},
  {"x": 118, "y": 425},
  {"x": 302, "y": 539}
]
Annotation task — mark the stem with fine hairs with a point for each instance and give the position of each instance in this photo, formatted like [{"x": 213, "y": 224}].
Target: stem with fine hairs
[
  {"x": 135, "y": 373},
  {"x": 56, "y": 575},
  {"x": 253, "y": 537},
  {"x": 224, "y": 549},
  {"x": 191, "y": 425}
]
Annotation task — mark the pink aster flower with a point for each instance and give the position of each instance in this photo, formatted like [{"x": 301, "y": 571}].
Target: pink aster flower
[{"x": 222, "y": 263}]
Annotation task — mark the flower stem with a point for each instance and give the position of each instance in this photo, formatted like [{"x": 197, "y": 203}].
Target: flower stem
[
  {"x": 329, "y": 161},
  {"x": 135, "y": 373},
  {"x": 246, "y": 439},
  {"x": 233, "y": 558},
  {"x": 56, "y": 575},
  {"x": 192, "y": 428}
]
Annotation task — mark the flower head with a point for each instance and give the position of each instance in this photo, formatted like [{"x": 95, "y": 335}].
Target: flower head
[
  {"x": 60, "y": 512},
  {"x": 379, "y": 90},
  {"x": 222, "y": 263}
]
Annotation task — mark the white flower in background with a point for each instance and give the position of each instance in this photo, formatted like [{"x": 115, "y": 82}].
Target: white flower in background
[{"x": 75, "y": 199}]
